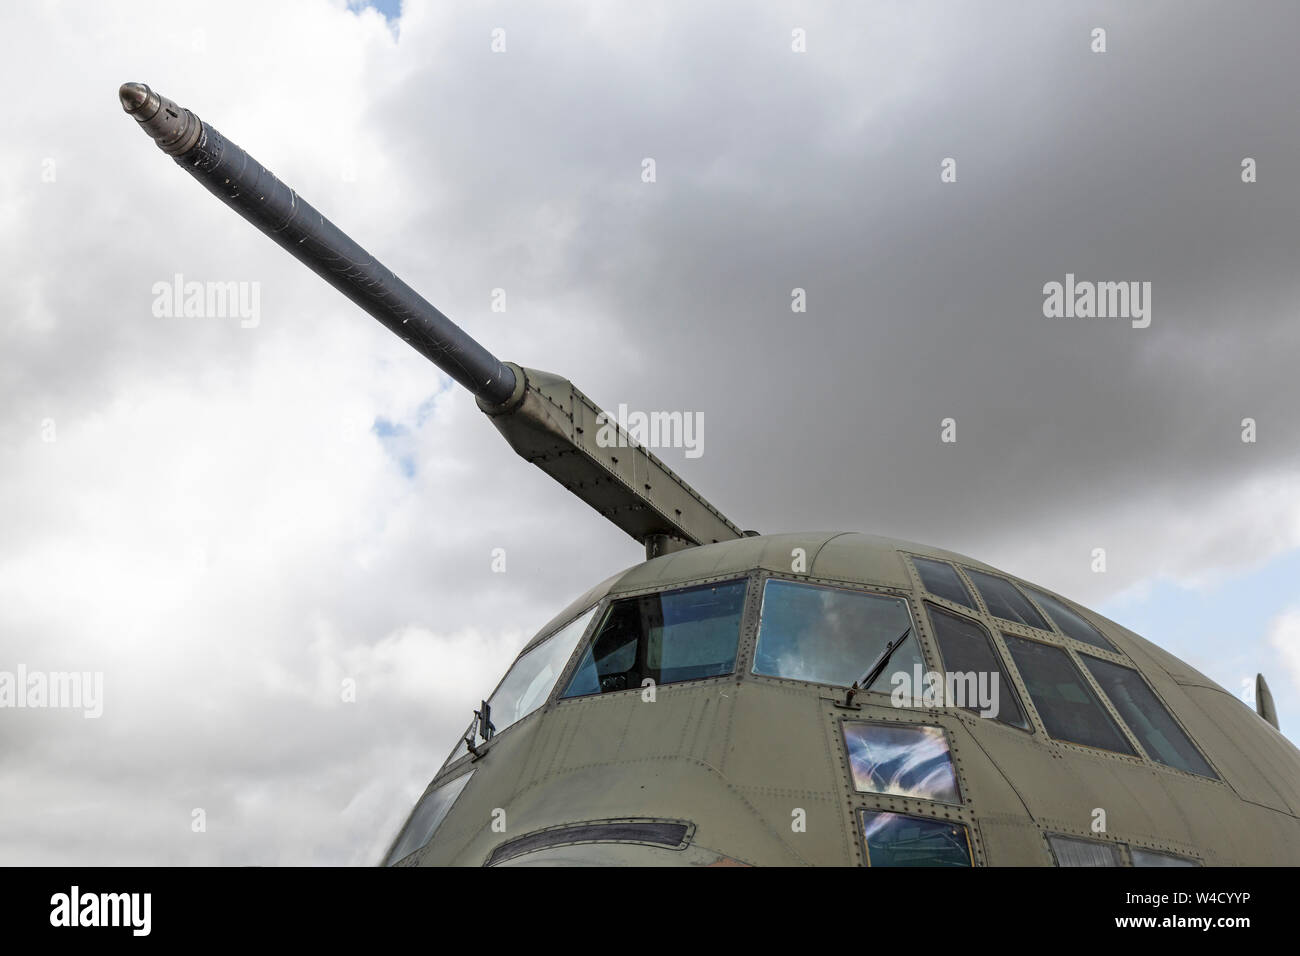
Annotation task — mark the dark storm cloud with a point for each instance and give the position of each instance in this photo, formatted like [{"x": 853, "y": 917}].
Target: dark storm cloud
[{"x": 822, "y": 172}]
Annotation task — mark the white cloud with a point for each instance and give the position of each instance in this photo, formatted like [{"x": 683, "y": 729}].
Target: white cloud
[{"x": 1196, "y": 539}]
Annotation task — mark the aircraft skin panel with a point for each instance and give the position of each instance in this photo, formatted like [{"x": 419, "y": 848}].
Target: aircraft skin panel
[{"x": 1261, "y": 767}]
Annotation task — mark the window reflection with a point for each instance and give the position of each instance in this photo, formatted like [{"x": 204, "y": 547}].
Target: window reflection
[
  {"x": 529, "y": 681},
  {"x": 901, "y": 761},
  {"x": 426, "y": 818},
  {"x": 687, "y": 634},
  {"x": 831, "y": 635}
]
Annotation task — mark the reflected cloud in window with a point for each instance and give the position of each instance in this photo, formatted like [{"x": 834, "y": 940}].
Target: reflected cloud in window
[
  {"x": 529, "y": 681},
  {"x": 901, "y": 761},
  {"x": 831, "y": 635}
]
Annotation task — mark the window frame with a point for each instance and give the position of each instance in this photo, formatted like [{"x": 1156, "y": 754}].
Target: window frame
[
  {"x": 1146, "y": 753},
  {"x": 860, "y": 816},
  {"x": 923, "y": 588},
  {"x": 1002, "y": 654},
  {"x": 1115, "y": 847},
  {"x": 1137, "y": 755},
  {"x": 959, "y": 784},
  {"x": 1189, "y": 861},
  {"x": 873, "y": 590},
  {"x": 1028, "y": 590},
  {"x": 606, "y": 605},
  {"x": 968, "y": 573},
  {"x": 429, "y": 791},
  {"x": 455, "y": 756}
]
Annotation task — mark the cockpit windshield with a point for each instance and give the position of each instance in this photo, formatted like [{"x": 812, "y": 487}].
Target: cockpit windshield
[
  {"x": 831, "y": 635},
  {"x": 680, "y": 635},
  {"x": 529, "y": 682}
]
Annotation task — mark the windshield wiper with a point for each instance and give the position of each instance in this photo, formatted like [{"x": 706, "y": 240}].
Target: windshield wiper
[
  {"x": 875, "y": 669},
  {"x": 481, "y": 727}
]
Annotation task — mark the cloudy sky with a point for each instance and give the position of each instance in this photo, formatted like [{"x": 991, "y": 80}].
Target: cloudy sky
[{"x": 231, "y": 517}]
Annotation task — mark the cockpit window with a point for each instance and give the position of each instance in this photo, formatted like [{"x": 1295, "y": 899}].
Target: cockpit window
[
  {"x": 426, "y": 818},
  {"x": 1069, "y": 707},
  {"x": 831, "y": 635},
  {"x": 1153, "y": 858},
  {"x": 672, "y": 636},
  {"x": 1154, "y": 727},
  {"x": 1068, "y": 851},
  {"x": 896, "y": 839},
  {"x": 1071, "y": 623},
  {"x": 1005, "y": 601},
  {"x": 901, "y": 760},
  {"x": 940, "y": 578},
  {"x": 966, "y": 648},
  {"x": 529, "y": 682}
]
